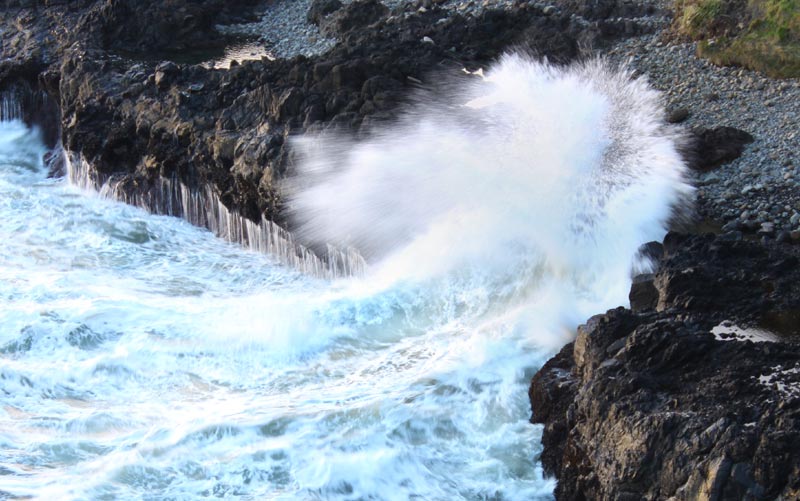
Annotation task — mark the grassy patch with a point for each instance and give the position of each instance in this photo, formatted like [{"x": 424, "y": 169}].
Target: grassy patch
[
  {"x": 699, "y": 16},
  {"x": 763, "y": 35}
]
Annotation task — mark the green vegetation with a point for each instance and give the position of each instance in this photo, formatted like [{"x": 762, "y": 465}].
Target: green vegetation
[
  {"x": 762, "y": 35},
  {"x": 698, "y": 16}
]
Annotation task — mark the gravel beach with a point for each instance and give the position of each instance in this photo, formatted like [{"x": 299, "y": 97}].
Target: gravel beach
[
  {"x": 285, "y": 30},
  {"x": 757, "y": 191}
]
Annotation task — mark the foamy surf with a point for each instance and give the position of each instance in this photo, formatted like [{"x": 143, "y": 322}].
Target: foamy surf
[{"x": 141, "y": 357}]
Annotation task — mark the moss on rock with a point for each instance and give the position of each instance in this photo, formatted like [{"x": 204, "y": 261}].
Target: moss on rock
[{"x": 762, "y": 35}]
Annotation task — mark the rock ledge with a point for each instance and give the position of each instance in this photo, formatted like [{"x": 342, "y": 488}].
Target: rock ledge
[{"x": 652, "y": 405}]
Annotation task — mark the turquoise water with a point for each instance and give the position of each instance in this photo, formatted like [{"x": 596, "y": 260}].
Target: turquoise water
[{"x": 143, "y": 358}]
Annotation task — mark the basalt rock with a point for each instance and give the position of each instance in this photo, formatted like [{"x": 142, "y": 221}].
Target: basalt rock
[
  {"x": 319, "y": 9},
  {"x": 137, "y": 119},
  {"x": 357, "y": 15},
  {"x": 644, "y": 294},
  {"x": 147, "y": 25},
  {"x": 138, "y": 116},
  {"x": 716, "y": 146},
  {"x": 678, "y": 115},
  {"x": 649, "y": 404}
]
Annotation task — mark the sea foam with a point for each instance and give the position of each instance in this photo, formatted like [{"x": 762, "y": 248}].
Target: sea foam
[{"x": 529, "y": 169}]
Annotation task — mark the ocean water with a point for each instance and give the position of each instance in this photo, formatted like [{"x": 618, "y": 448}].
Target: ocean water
[{"x": 144, "y": 358}]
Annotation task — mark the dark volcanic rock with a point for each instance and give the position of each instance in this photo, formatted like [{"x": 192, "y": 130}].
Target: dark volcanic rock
[
  {"x": 359, "y": 14},
  {"x": 716, "y": 146},
  {"x": 643, "y": 295},
  {"x": 141, "y": 120},
  {"x": 147, "y": 25},
  {"x": 321, "y": 8},
  {"x": 651, "y": 405}
]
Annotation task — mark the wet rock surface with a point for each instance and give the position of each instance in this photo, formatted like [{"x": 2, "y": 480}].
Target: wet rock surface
[
  {"x": 135, "y": 117},
  {"x": 649, "y": 404}
]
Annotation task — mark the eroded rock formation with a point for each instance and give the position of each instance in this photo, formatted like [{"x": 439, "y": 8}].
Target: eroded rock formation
[{"x": 653, "y": 405}]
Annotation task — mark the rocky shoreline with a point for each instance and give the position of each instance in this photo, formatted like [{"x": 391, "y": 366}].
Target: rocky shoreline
[
  {"x": 140, "y": 119},
  {"x": 695, "y": 394},
  {"x": 645, "y": 404}
]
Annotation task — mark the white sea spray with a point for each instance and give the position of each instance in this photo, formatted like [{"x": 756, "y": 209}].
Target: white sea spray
[{"x": 141, "y": 357}]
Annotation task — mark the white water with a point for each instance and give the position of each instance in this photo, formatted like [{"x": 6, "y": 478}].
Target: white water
[
  {"x": 10, "y": 107},
  {"x": 143, "y": 358},
  {"x": 204, "y": 209}
]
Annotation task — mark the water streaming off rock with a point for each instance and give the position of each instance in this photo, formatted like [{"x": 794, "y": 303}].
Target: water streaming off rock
[
  {"x": 143, "y": 358},
  {"x": 203, "y": 208},
  {"x": 10, "y": 108}
]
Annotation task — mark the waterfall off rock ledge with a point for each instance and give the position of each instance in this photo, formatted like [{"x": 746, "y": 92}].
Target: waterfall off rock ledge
[
  {"x": 29, "y": 104},
  {"x": 10, "y": 107},
  {"x": 200, "y": 207},
  {"x": 203, "y": 208}
]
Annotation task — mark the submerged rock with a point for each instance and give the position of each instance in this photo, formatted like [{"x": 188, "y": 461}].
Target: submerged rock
[{"x": 652, "y": 405}]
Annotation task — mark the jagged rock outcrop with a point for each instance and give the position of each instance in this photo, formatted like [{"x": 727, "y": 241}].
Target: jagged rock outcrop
[
  {"x": 652, "y": 405},
  {"x": 149, "y": 25},
  {"x": 141, "y": 119}
]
